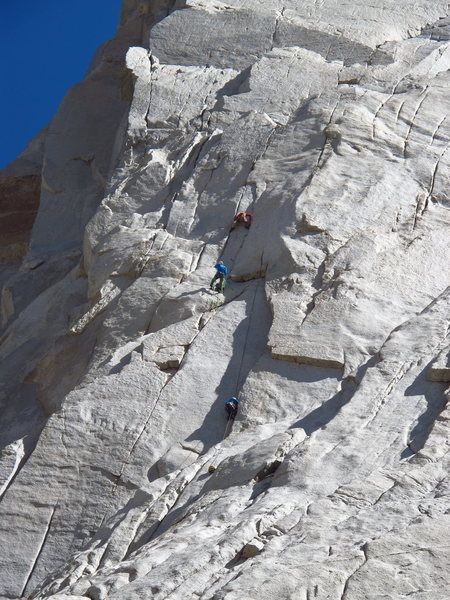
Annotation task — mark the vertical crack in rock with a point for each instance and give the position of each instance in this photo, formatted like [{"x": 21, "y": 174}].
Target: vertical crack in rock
[
  {"x": 279, "y": 15},
  {"x": 411, "y": 122},
  {"x": 434, "y": 173},
  {"x": 38, "y": 554}
]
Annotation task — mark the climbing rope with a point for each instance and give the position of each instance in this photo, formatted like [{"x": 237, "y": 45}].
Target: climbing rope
[
  {"x": 237, "y": 209},
  {"x": 246, "y": 339},
  {"x": 230, "y": 420},
  {"x": 227, "y": 428}
]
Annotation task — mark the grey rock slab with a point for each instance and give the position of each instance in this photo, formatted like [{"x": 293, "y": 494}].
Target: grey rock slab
[
  {"x": 30, "y": 281},
  {"x": 47, "y": 523},
  {"x": 33, "y": 333},
  {"x": 198, "y": 30},
  {"x": 328, "y": 122},
  {"x": 215, "y": 382},
  {"x": 364, "y": 23},
  {"x": 277, "y": 390},
  {"x": 122, "y": 468},
  {"x": 218, "y": 37},
  {"x": 148, "y": 511},
  {"x": 321, "y": 308}
]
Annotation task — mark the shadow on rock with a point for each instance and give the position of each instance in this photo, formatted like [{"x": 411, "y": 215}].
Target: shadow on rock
[{"x": 433, "y": 392}]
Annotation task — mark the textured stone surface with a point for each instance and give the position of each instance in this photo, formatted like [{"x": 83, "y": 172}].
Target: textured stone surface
[
  {"x": 18, "y": 207},
  {"x": 440, "y": 369},
  {"x": 328, "y": 121}
]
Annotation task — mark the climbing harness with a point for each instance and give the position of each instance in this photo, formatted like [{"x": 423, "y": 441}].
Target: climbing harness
[{"x": 220, "y": 284}]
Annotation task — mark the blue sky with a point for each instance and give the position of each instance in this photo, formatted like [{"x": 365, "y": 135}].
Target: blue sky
[{"x": 45, "y": 47}]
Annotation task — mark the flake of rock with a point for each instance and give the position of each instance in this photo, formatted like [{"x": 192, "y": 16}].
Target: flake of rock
[
  {"x": 169, "y": 358},
  {"x": 440, "y": 369},
  {"x": 10, "y": 459},
  {"x": 253, "y": 548}
]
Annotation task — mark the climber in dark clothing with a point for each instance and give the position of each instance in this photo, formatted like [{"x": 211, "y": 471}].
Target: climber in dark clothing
[
  {"x": 221, "y": 275},
  {"x": 231, "y": 406},
  {"x": 242, "y": 217}
]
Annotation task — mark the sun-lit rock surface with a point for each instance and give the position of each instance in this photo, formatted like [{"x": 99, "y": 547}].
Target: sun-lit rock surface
[{"x": 328, "y": 122}]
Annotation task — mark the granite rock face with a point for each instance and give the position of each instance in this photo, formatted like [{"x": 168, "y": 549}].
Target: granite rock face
[{"x": 119, "y": 475}]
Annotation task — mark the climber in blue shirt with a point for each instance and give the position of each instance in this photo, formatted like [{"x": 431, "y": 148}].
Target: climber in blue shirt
[
  {"x": 221, "y": 275},
  {"x": 231, "y": 406}
]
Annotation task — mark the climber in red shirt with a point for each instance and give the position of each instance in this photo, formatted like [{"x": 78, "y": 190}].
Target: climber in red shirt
[{"x": 242, "y": 217}]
